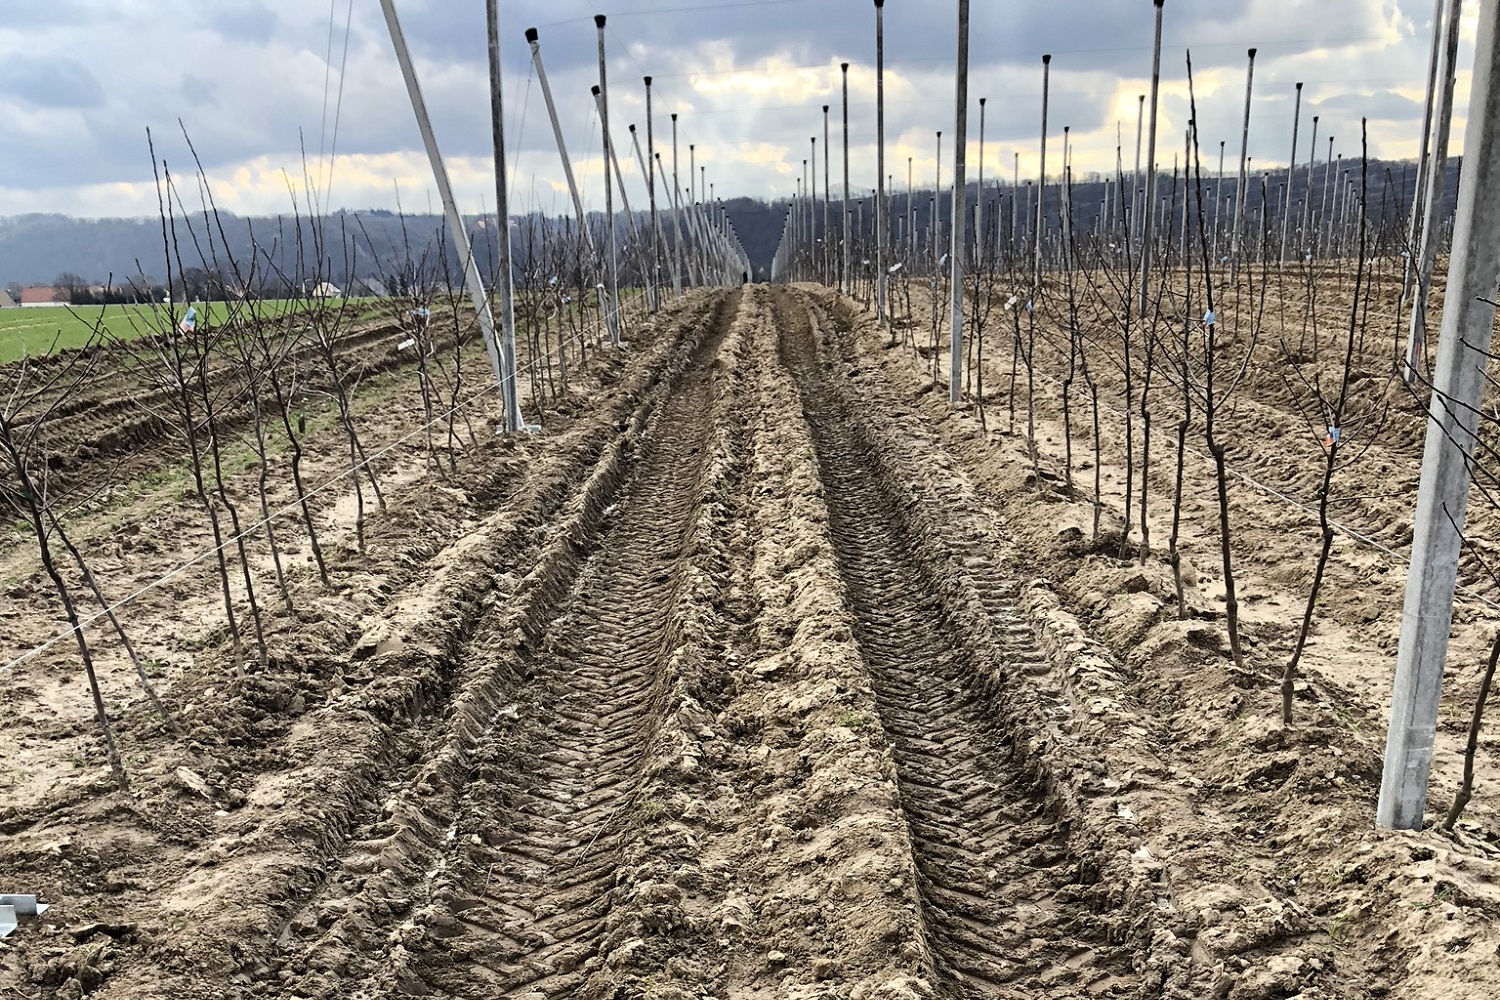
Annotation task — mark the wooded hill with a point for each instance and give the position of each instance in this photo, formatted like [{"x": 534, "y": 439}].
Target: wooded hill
[{"x": 377, "y": 244}]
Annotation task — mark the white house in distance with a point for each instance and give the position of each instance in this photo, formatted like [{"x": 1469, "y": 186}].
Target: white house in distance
[{"x": 326, "y": 290}]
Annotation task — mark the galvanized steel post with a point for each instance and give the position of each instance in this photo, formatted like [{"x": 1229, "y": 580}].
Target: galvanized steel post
[
  {"x": 1459, "y": 379},
  {"x": 611, "y": 261}
]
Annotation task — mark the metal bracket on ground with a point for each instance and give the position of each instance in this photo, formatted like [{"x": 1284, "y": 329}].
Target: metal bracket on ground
[{"x": 15, "y": 906}]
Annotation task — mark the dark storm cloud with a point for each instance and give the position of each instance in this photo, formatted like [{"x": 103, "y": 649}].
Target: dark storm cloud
[
  {"x": 111, "y": 149},
  {"x": 1094, "y": 47},
  {"x": 50, "y": 82}
]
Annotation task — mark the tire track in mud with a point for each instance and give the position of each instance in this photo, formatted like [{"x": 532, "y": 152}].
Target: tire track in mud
[
  {"x": 1149, "y": 716},
  {"x": 566, "y": 775},
  {"x": 124, "y": 418},
  {"x": 1006, "y": 903},
  {"x": 504, "y": 838},
  {"x": 357, "y": 797},
  {"x": 116, "y": 388}
]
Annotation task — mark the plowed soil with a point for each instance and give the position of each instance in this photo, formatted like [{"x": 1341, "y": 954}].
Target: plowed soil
[{"x": 761, "y": 673}]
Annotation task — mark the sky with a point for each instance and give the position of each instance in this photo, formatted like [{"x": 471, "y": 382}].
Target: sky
[{"x": 296, "y": 102}]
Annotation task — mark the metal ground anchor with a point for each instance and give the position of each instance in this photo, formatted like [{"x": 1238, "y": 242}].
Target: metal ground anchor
[{"x": 14, "y": 906}]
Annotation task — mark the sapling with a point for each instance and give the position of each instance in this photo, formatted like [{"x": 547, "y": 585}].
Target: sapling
[
  {"x": 1126, "y": 321},
  {"x": 1471, "y": 748},
  {"x": 244, "y": 327},
  {"x": 1151, "y": 340},
  {"x": 1116, "y": 305},
  {"x": 210, "y": 402},
  {"x": 417, "y": 325},
  {"x": 1155, "y": 347},
  {"x": 19, "y": 448},
  {"x": 174, "y": 362},
  {"x": 1184, "y": 425},
  {"x": 1333, "y": 408},
  {"x": 285, "y": 389},
  {"x": 336, "y": 385},
  {"x": 1032, "y": 450},
  {"x": 1214, "y": 397},
  {"x": 1075, "y": 356},
  {"x": 543, "y": 276},
  {"x": 532, "y": 308},
  {"x": 986, "y": 279},
  {"x": 1092, "y": 385},
  {"x": 205, "y": 345}
]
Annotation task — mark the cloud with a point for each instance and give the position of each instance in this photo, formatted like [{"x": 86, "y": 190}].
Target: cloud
[
  {"x": 50, "y": 82},
  {"x": 259, "y": 83},
  {"x": 251, "y": 22},
  {"x": 198, "y": 91},
  {"x": 1384, "y": 105},
  {"x": 41, "y": 15}
]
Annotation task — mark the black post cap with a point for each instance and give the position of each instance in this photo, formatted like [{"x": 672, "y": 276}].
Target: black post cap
[
  {"x": 599, "y": 20},
  {"x": 594, "y": 90},
  {"x": 531, "y": 34},
  {"x": 648, "y": 81}
]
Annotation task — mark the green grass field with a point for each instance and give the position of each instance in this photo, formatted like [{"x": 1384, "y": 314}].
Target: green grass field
[{"x": 32, "y": 332}]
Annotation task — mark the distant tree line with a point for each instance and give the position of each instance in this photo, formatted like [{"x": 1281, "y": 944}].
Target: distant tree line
[{"x": 388, "y": 247}]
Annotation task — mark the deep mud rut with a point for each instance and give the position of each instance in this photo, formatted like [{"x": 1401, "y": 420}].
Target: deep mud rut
[
  {"x": 1006, "y": 902},
  {"x": 743, "y": 687},
  {"x": 118, "y": 417},
  {"x": 542, "y": 879},
  {"x": 1270, "y": 870},
  {"x": 538, "y": 871},
  {"x": 528, "y": 898},
  {"x": 145, "y": 523}
]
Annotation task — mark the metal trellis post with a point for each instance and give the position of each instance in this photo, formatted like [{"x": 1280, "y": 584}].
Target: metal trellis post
[
  {"x": 472, "y": 277},
  {"x": 960, "y": 217},
  {"x": 1442, "y": 495}
]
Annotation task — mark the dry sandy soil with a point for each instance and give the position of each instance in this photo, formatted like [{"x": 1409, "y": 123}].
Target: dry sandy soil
[{"x": 762, "y": 672}]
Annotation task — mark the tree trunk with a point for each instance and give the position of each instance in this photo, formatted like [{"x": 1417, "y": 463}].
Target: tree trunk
[{"x": 1466, "y": 789}]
